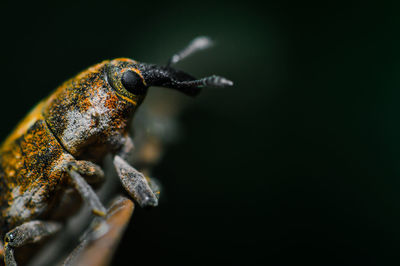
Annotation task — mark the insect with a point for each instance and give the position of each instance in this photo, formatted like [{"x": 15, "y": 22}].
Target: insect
[{"x": 59, "y": 147}]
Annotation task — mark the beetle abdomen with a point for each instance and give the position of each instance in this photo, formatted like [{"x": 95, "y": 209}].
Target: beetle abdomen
[{"x": 31, "y": 173}]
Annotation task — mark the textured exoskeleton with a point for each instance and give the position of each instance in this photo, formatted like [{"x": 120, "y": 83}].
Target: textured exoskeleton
[{"x": 60, "y": 145}]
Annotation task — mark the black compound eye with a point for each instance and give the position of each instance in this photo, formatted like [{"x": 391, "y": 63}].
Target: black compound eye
[{"x": 133, "y": 83}]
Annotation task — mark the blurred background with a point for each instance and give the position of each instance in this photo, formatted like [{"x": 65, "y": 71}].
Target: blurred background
[{"x": 297, "y": 164}]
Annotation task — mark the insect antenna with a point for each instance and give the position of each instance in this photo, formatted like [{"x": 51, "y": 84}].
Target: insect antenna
[
  {"x": 211, "y": 81},
  {"x": 169, "y": 77},
  {"x": 198, "y": 44}
]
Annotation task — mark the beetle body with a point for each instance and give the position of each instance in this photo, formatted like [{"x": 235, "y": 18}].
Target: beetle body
[
  {"x": 84, "y": 118},
  {"x": 56, "y": 149}
]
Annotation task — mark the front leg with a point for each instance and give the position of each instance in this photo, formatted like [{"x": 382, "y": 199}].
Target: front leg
[
  {"x": 87, "y": 193},
  {"x": 84, "y": 189},
  {"x": 91, "y": 172},
  {"x": 140, "y": 188},
  {"x": 127, "y": 147},
  {"x": 135, "y": 183},
  {"x": 29, "y": 232}
]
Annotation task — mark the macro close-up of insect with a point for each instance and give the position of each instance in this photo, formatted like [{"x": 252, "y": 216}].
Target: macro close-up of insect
[
  {"x": 59, "y": 148},
  {"x": 279, "y": 146}
]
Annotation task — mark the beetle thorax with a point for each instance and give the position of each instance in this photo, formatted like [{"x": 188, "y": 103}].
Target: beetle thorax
[{"x": 88, "y": 115}]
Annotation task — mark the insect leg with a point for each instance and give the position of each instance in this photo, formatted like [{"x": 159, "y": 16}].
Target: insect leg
[
  {"x": 86, "y": 191},
  {"x": 155, "y": 185},
  {"x": 1, "y": 250},
  {"x": 29, "y": 232},
  {"x": 135, "y": 183},
  {"x": 91, "y": 172},
  {"x": 126, "y": 151}
]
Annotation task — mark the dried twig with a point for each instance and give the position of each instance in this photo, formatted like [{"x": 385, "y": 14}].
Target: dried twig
[{"x": 99, "y": 244}]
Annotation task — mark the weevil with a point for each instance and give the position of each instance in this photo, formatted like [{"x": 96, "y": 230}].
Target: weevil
[{"x": 58, "y": 149}]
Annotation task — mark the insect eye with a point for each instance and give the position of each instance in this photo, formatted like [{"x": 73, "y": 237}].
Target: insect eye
[{"x": 133, "y": 83}]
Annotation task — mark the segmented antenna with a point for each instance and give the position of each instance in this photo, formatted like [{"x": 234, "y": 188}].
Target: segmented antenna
[
  {"x": 211, "y": 81},
  {"x": 198, "y": 44}
]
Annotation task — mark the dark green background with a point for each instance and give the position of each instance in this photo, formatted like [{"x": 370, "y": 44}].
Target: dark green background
[{"x": 298, "y": 163}]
